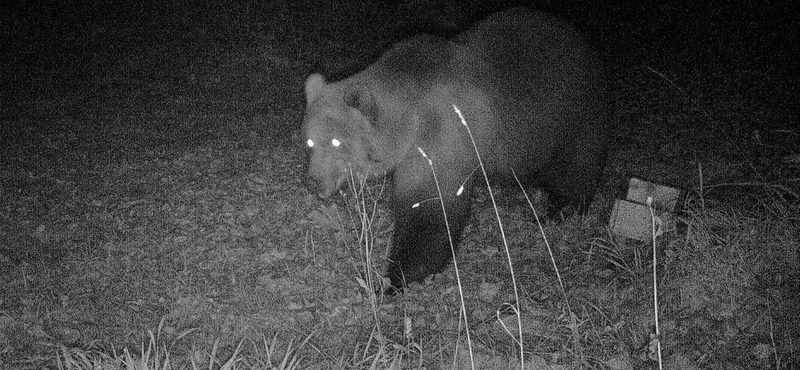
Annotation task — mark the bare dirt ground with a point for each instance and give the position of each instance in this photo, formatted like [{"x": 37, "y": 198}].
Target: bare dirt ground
[{"x": 151, "y": 192}]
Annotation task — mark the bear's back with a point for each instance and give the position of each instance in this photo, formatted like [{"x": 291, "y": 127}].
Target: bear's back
[
  {"x": 542, "y": 78},
  {"x": 413, "y": 65},
  {"x": 523, "y": 78}
]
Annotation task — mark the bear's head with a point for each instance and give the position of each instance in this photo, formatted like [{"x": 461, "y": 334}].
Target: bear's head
[{"x": 339, "y": 129}]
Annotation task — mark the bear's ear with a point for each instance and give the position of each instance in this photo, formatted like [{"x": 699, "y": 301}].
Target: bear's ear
[
  {"x": 360, "y": 98},
  {"x": 314, "y": 84}
]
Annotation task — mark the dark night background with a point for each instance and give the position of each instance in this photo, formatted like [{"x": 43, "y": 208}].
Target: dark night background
[
  {"x": 753, "y": 43},
  {"x": 151, "y": 167}
]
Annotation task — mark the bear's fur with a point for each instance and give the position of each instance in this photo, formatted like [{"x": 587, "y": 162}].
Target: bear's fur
[{"x": 531, "y": 91}]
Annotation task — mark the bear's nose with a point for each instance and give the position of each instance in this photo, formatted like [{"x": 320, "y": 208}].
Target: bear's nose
[
  {"x": 324, "y": 194},
  {"x": 313, "y": 186},
  {"x": 323, "y": 187}
]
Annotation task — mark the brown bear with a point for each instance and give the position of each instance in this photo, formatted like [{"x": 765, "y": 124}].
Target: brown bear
[{"x": 531, "y": 91}]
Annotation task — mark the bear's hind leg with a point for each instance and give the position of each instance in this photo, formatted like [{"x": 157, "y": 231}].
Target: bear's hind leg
[{"x": 572, "y": 178}]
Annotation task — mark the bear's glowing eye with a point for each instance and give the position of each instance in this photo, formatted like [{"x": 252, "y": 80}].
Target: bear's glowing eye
[
  {"x": 310, "y": 143},
  {"x": 336, "y": 142}
]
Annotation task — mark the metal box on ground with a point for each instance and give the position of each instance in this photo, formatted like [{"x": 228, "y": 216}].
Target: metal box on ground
[{"x": 631, "y": 217}]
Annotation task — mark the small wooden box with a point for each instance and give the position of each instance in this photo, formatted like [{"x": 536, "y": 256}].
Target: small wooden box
[{"x": 631, "y": 217}]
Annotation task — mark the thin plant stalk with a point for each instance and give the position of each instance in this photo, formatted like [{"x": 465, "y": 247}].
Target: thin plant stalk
[
  {"x": 455, "y": 262},
  {"x": 358, "y": 184},
  {"x": 502, "y": 234},
  {"x": 655, "y": 281},
  {"x": 572, "y": 318}
]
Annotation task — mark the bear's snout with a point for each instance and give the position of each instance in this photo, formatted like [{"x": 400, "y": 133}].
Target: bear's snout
[{"x": 325, "y": 185}]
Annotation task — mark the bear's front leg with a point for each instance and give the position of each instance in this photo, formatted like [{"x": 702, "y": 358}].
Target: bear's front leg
[{"x": 421, "y": 246}]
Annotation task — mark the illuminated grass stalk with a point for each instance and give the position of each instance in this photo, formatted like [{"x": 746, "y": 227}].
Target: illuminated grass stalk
[
  {"x": 366, "y": 239},
  {"x": 657, "y": 338},
  {"x": 502, "y": 234},
  {"x": 453, "y": 253},
  {"x": 546, "y": 243}
]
